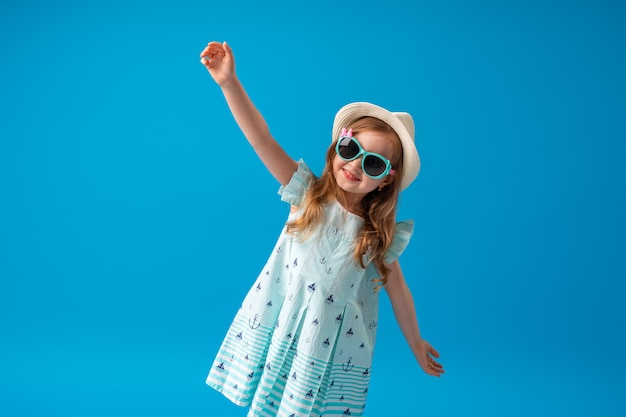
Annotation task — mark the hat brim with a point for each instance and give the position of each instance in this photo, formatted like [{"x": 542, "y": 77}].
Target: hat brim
[{"x": 401, "y": 123}]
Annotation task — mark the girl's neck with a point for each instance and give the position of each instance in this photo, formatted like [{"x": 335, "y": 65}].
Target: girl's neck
[{"x": 352, "y": 203}]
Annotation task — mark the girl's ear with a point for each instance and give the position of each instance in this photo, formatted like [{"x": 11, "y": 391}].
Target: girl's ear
[{"x": 386, "y": 181}]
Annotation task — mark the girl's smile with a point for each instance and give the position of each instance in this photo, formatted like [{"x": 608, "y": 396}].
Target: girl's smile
[{"x": 349, "y": 175}]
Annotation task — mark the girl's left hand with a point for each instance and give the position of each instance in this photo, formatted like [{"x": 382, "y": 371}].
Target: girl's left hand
[{"x": 425, "y": 355}]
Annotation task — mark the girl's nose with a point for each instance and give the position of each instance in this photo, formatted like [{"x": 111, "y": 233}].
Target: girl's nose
[{"x": 356, "y": 163}]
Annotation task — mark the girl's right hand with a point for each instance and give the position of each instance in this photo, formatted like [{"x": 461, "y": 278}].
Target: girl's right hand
[{"x": 219, "y": 61}]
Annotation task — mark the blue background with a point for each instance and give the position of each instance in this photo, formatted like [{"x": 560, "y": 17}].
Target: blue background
[{"x": 134, "y": 216}]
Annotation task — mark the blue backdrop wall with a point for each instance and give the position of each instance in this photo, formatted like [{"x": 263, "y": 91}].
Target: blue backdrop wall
[{"x": 134, "y": 216}]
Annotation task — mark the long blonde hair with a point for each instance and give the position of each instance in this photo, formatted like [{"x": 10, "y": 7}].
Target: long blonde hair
[{"x": 378, "y": 206}]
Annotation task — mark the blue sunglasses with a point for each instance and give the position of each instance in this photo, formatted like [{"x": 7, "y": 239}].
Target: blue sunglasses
[{"x": 373, "y": 165}]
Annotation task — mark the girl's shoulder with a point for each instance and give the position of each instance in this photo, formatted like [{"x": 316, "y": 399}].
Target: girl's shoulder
[{"x": 401, "y": 238}]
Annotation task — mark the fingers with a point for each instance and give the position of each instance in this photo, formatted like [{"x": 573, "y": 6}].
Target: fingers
[
  {"x": 433, "y": 368},
  {"x": 433, "y": 352},
  {"x": 212, "y": 54},
  {"x": 430, "y": 365},
  {"x": 436, "y": 365},
  {"x": 227, "y": 49}
]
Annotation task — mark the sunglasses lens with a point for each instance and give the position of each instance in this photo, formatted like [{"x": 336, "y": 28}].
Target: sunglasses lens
[
  {"x": 347, "y": 148},
  {"x": 374, "y": 166}
]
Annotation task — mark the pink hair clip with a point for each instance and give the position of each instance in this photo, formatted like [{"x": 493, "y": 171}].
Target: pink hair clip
[{"x": 346, "y": 133}]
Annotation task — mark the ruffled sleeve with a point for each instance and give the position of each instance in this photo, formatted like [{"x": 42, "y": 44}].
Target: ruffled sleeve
[
  {"x": 293, "y": 192},
  {"x": 401, "y": 238}
]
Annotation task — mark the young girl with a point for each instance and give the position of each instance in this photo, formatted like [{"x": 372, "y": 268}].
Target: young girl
[{"x": 302, "y": 342}]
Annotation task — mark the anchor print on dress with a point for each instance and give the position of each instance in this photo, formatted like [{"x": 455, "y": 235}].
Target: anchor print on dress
[
  {"x": 311, "y": 288},
  {"x": 323, "y": 262},
  {"x": 372, "y": 325},
  {"x": 253, "y": 322},
  {"x": 349, "y": 333},
  {"x": 258, "y": 287},
  {"x": 338, "y": 319},
  {"x": 366, "y": 373},
  {"x": 347, "y": 412},
  {"x": 330, "y": 299},
  {"x": 348, "y": 366},
  {"x": 326, "y": 343},
  {"x": 220, "y": 367}
]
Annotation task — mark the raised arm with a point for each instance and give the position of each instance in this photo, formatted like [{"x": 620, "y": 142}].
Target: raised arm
[
  {"x": 404, "y": 310},
  {"x": 219, "y": 61}
]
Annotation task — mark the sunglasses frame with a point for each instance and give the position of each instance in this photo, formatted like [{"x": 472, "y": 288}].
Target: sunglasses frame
[{"x": 362, "y": 152}]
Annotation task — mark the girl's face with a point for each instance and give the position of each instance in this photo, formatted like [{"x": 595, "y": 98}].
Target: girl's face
[{"x": 349, "y": 174}]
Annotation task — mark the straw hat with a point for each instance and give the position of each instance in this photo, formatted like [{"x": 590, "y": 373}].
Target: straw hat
[{"x": 400, "y": 122}]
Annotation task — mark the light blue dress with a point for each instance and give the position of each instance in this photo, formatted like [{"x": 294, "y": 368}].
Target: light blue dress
[{"x": 302, "y": 342}]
